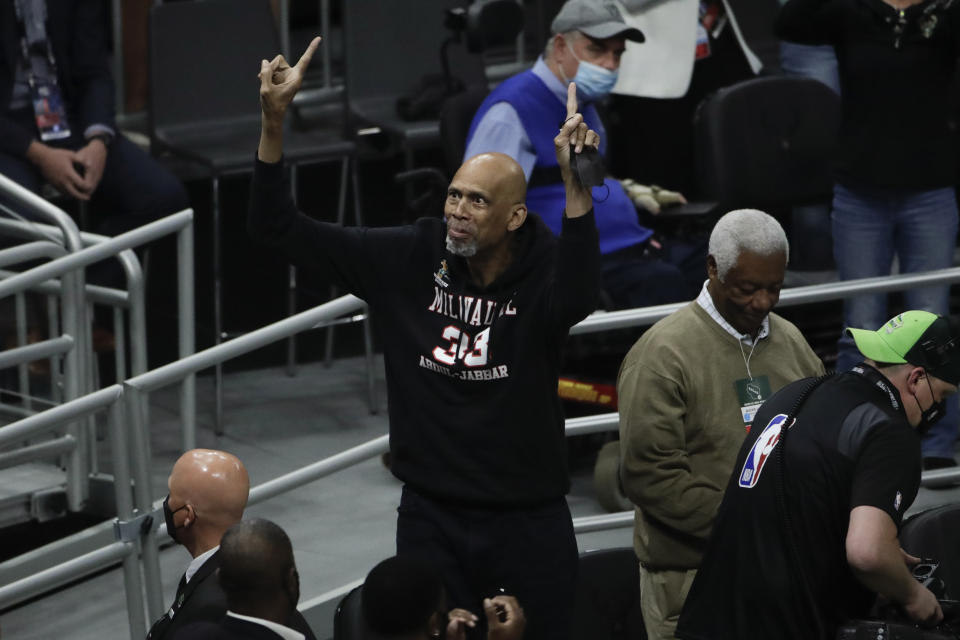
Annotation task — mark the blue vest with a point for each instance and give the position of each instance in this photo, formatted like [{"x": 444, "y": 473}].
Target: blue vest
[{"x": 541, "y": 114}]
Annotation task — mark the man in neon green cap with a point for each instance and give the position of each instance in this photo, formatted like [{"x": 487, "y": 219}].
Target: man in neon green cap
[{"x": 806, "y": 535}]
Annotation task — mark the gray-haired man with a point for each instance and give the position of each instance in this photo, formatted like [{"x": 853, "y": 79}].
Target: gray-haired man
[{"x": 688, "y": 391}]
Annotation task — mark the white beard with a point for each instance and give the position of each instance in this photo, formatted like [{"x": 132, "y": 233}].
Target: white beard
[{"x": 466, "y": 249}]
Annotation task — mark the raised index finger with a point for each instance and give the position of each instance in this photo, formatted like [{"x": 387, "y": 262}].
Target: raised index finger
[
  {"x": 307, "y": 56},
  {"x": 571, "y": 99}
]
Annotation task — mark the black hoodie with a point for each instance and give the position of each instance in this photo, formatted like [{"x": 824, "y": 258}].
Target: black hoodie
[{"x": 471, "y": 371}]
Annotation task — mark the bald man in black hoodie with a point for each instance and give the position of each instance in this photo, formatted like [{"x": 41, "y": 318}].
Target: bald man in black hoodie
[{"x": 473, "y": 311}]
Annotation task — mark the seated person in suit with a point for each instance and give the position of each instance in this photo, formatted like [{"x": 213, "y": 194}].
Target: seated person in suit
[
  {"x": 208, "y": 493},
  {"x": 259, "y": 575},
  {"x": 519, "y": 118},
  {"x": 57, "y": 120},
  {"x": 404, "y": 599}
]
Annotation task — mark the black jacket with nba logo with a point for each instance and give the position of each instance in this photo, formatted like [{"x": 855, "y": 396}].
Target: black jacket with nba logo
[
  {"x": 471, "y": 372},
  {"x": 850, "y": 446}
]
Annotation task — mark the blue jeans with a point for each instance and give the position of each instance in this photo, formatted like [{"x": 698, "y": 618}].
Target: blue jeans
[
  {"x": 817, "y": 62},
  {"x": 870, "y": 226},
  {"x": 633, "y": 278},
  {"x": 810, "y": 224}
]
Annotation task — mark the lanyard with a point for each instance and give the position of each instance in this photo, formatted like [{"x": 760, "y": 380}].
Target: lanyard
[
  {"x": 880, "y": 381},
  {"x": 746, "y": 358},
  {"x": 25, "y": 47}
]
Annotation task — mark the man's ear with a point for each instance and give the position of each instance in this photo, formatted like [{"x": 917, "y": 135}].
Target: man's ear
[
  {"x": 293, "y": 585},
  {"x": 560, "y": 42},
  {"x": 189, "y": 516},
  {"x": 712, "y": 272},
  {"x": 914, "y": 377},
  {"x": 517, "y": 217}
]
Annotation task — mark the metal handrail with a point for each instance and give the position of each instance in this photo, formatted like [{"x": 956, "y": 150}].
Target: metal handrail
[
  {"x": 95, "y": 253},
  {"x": 35, "y": 351},
  {"x": 51, "y": 419},
  {"x": 65, "y": 572},
  {"x": 75, "y": 362},
  {"x": 172, "y": 372},
  {"x": 30, "y": 251},
  {"x": 606, "y": 320},
  {"x": 101, "y": 247},
  {"x": 95, "y": 293},
  {"x": 37, "y": 205}
]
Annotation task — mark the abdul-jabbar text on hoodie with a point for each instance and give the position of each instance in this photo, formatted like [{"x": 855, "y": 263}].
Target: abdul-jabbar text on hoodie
[{"x": 471, "y": 371}]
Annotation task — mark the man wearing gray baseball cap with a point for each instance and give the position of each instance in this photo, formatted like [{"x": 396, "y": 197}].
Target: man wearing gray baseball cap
[
  {"x": 597, "y": 19},
  {"x": 519, "y": 118}
]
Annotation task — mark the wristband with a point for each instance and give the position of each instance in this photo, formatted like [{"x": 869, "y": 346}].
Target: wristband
[{"x": 103, "y": 137}]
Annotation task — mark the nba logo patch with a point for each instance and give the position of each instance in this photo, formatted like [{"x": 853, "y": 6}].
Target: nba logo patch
[
  {"x": 760, "y": 452},
  {"x": 897, "y": 501}
]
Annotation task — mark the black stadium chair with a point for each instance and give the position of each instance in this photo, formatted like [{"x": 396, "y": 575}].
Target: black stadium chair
[
  {"x": 455, "y": 119},
  {"x": 348, "y": 621},
  {"x": 767, "y": 142},
  {"x": 389, "y": 46},
  {"x": 204, "y": 57},
  {"x": 935, "y": 534},
  {"x": 608, "y": 596}
]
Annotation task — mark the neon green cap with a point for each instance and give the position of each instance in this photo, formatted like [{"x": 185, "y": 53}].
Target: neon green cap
[{"x": 920, "y": 338}]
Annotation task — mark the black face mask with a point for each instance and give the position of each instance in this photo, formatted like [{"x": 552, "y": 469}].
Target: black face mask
[
  {"x": 168, "y": 518},
  {"x": 931, "y": 414}
]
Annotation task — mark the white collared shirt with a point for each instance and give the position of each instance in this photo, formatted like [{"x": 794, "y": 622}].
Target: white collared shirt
[
  {"x": 197, "y": 562},
  {"x": 705, "y": 300},
  {"x": 284, "y": 632}
]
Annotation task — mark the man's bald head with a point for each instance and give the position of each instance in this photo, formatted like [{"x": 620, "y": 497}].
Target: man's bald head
[
  {"x": 503, "y": 175},
  {"x": 208, "y": 491}
]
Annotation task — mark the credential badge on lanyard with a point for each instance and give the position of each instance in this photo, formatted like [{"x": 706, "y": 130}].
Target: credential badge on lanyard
[{"x": 48, "y": 109}]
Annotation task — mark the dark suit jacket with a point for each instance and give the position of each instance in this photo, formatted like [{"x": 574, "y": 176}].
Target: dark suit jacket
[
  {"x": 205, "y": 601},
  {"x": 226, "y": 629},
  {"x": 77, "y": 33}
]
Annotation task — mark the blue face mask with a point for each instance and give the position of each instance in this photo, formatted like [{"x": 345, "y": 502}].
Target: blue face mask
[{"x": 593, "y": 81}]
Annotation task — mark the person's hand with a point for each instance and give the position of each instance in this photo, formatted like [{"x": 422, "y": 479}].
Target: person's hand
[
  {"x": 279, "y": 82},
  {"x": 909, "y": 560},
  {"x": 458, "y": 620},
  {"x": 93, "y": 157},
  {"x": 573, "y": 133},
  {"x": 514, "y": 622},
  {"x": 922, "y": 607},
  {"x": 56, "y": 166}
]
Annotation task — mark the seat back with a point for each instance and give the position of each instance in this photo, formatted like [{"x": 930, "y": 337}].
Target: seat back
[
  {"x": 348, "y": 621},
  {"x": 455, "y": 119},
  {"x": 934, "y": 534},
  {"x": 767, "y": 142},
  {"x": 607, "y": 603},
  {"x": 204, "y": 57},
  {"x": 390, "y": 44}
]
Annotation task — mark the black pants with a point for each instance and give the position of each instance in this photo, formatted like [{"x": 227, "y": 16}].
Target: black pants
[
  {"x": 134, "y": 190},
  {"x": 529, "y": 553}
]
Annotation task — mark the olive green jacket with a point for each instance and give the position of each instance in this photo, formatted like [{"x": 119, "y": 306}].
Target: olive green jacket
[{"x": 681, "y": 425}]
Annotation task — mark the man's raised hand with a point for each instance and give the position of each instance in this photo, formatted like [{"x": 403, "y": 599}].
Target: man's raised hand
[
  {"x": 573, "y": 133},
  {"x": 279, "y": 82},
  {"x": 574, "y": 136}
]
